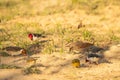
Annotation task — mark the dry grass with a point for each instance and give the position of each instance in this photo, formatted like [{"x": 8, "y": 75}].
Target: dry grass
[{"x": 59, "y": 19}]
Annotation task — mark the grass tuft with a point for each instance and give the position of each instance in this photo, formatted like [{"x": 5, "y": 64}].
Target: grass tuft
[
  {"x": 6, "y": 66},
  {"x": 87, "y": 35},
  {"x": 31, "y": 70}
]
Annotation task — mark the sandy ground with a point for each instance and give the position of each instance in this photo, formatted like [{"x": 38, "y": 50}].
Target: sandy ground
[{"x": 57, "y": 66}]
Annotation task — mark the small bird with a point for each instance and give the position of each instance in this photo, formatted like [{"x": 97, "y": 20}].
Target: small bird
[
  {"x": 93, "y": 58},
  {"x": 30, "y": 59},
  {"x": 79, "y": 46},
  {"x": 30, "y": 62},
  {"x": 30, "y": 67},
  {"x": 35, "y": 36},
  {"x": 94, "y": 49},
  {"x": 76, "y": 63},
  {"x": 14, "y": 50}
]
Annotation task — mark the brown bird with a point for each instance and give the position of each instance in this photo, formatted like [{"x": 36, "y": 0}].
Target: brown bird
[
  {"x": 79, "y": 46},
  {"x": 30, "y": 62},
  {"x": 14, "y": 50},
  {"x": 30, "y": 59},
  {"x": 35, "y": 36}
]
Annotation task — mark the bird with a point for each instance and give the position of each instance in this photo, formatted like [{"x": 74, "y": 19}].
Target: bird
[
  {"x": 14, "y": 50},
  {"x": 93, "y": 58},
  {"x": 94, "y": 49},
  {"x": 79, "y": 46},
  {"x": 35, "y": 36},
  {"x": 31, "y": 67},
  {"x": 30, "y": 61},
  {"x": 76, "y": 63}
]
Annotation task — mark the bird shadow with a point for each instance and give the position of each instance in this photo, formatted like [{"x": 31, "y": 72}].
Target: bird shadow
[
  {"x": 36, "y": 47},
  {"x": 4, "y": 54}
]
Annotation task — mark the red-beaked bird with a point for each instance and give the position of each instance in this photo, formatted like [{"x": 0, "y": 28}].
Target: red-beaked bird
[
  {"x": 35, "y": 36},
  {"x": 14, "y": 50}
]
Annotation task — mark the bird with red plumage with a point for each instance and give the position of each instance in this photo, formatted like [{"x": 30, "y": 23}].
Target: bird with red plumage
[{"x": 35, "y": 36}]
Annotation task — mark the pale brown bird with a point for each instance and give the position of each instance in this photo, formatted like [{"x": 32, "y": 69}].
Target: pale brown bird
[
  {"x": 30, "y": 61},
  {"x": 79, "y": 46},
  {"x": 14, "y": 50}
]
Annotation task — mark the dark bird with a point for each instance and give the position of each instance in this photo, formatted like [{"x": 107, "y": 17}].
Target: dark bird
[
  {"x": 14, "y": 50},
  {"x": 94, "y": 49},
  {"x": 35, "y": 36},
  {"x": 93, "y": 58}
]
